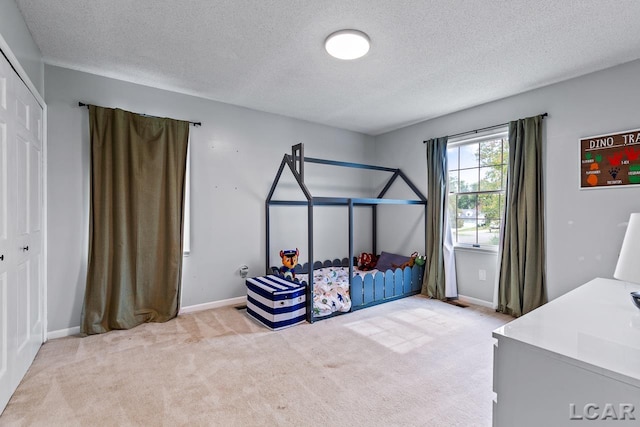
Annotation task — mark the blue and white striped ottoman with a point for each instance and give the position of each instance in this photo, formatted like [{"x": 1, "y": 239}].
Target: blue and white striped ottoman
[{"x": 275, "y": 302}]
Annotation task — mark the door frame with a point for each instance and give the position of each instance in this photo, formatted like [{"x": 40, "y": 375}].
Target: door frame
[{"x": 13, "y": 61}]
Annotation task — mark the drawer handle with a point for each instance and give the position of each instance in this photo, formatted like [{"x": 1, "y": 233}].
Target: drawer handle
[
  {"x": 25, "y": 248},
  {"x": 2, "y": 257}
]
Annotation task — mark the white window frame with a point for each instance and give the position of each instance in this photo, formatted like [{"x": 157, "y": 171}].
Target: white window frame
[{"x": 456, "y": 142}]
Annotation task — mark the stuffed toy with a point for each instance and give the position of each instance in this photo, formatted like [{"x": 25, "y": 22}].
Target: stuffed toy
[
  {"x": 367, "y": 261},
  {"x": 420, "y": 259},
  {"x": 289, "y": 262},
  {"x": 410, "y": 263}
]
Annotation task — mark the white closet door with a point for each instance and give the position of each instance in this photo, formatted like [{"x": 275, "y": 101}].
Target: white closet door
[
  {"x": 21, "y": 237},
  {"x": 8, "y": 243}
]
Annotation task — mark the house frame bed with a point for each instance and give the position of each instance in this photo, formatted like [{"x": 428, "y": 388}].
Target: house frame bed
[{"x": 370, "y": 290}]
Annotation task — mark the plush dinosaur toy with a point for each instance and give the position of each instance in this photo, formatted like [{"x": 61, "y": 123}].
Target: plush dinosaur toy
[
  {"x": 289, "y": 262},
  {"x": 420, "y": 259}
]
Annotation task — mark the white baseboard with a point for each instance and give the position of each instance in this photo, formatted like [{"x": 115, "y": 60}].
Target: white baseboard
[
  {"x": 476, "y": 301},
  {"x": 214, "y": 304},
  {"x": 60, "y": 333}
]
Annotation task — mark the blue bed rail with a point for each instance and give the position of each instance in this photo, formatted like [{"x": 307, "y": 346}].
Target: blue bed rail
[{"x": 372, "y": 288}]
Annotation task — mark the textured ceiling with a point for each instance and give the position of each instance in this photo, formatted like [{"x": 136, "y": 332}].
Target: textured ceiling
[{"x": 428, "y": 57}]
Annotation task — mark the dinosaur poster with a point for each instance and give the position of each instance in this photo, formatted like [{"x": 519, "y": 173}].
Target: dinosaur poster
[{"x": 611, "y": 160}]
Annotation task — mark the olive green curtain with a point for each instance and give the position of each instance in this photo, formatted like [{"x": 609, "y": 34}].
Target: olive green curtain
[
  {"x": 137, "y": 173},
  {"x": 522, "y": 283},
  {"x": 440, "y": 271}
]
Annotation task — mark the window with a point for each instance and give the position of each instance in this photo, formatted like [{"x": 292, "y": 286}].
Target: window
[{"x": 477, "y": 182}]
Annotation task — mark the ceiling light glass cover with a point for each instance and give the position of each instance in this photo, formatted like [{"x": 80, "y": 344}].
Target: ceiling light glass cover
[{"x": 347, "y": 44}]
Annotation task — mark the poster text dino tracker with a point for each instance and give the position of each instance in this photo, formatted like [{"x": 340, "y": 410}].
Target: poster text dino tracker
[{"x": 611, "y": 160}]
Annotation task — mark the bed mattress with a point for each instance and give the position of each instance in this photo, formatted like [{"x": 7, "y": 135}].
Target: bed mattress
[{"x": 330, "y": 290}]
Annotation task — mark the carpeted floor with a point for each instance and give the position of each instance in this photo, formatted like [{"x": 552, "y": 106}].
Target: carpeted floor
[{"x": 411, "y": 362}]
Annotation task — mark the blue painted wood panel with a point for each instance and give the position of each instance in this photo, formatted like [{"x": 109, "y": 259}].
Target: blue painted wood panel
[
  {"x": 406, "y": 282},
  {"x": 388, "y": 284},
  {"x": 378, "y": 286},
  {"x": 416, "y": 278},
  {"x": 356, "y": 292},
  {"x": 398, "y": 280},
  {"x": 368, "y": 288}
]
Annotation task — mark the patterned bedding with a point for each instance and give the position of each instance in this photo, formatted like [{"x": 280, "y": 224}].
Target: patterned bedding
[{"x": 330, "y": 289}]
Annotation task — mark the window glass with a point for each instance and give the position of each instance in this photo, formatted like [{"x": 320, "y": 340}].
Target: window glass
[
  {"x": 491, "y": 152},
  {"x": 452, "y": 158},
  {"x": 469, "y": 156},
  {"x": 477, "y": 182},
  {"x": 453, "y": 181},
  {"x": 490, "y": 178},
  {"x": 468, "y": 180}
]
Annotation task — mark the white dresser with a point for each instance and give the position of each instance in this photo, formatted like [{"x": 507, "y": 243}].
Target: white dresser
[{"x": 574, "y": 361}]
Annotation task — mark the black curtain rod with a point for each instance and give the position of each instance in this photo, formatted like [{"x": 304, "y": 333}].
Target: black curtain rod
[
  {"x": 481, "y": 129},
  {"x": 83, "y": 104}
]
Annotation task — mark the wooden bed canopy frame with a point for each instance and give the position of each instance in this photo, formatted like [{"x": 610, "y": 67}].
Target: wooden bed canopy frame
[{"x": 295, "y": 162}]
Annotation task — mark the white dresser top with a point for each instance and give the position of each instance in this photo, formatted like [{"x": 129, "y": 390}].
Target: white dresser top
[{"x": 595, "y": 326}]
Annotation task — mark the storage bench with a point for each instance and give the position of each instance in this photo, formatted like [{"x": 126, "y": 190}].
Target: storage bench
[{"x": 276, "y": 302}]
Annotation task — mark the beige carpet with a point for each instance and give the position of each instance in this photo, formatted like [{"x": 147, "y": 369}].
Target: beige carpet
[{"x": 412, "y": 362}]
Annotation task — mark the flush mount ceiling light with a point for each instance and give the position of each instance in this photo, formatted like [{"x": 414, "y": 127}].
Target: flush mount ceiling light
[{"x": 347, "y": 44}]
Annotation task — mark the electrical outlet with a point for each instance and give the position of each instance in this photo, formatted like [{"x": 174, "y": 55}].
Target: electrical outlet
[
  {"x": 482, "y": 274},
  {"x": 244, "y": 271}
]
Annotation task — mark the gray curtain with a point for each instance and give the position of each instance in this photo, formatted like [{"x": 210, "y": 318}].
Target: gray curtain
[
  {"x": 439, "y": 277},
  {"x": 522, "y": 283},
  {"x": 137, "y": 172}
]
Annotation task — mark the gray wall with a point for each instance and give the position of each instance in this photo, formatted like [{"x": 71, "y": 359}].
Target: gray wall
[
  {"x": 584, "y": 228},
  {"x": 237, "y": 151},
  {"x": 470, "y": 263},
  {"x": 234, "y": 158},
  {"x": 15, "y": 32}
]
